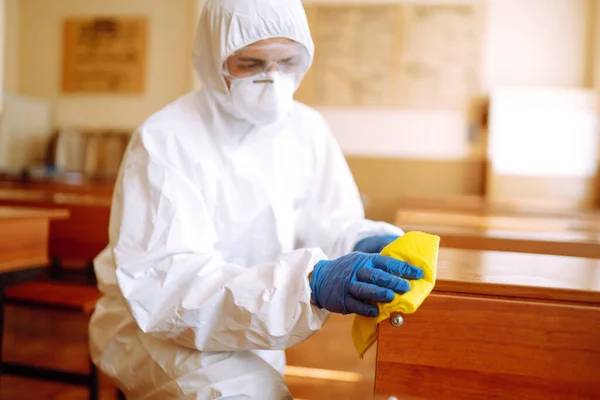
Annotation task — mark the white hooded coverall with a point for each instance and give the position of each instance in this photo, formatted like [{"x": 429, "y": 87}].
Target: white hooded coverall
[{"x": 216, "y": 225}]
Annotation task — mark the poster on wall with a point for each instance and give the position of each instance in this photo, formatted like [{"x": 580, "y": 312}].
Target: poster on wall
[
  {"x": 104, "y": 55},
  {"x": 415, "y": 56}
]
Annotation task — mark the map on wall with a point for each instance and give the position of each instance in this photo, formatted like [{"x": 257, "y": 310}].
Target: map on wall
[
  {"x": 104, "y": 55},
  {"x": 423, "y": 56}
]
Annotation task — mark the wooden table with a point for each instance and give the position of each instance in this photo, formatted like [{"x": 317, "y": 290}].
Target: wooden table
[
  {"x": 498, "y": 325},
  {"x": 479, "y": 204},
  {"x": 102, "y": 188},
  {"x": 561, "y": 244},
  {"x": 24, "y": 237},
  {"x": 23, "y": 245},
  {"x": 583, "y": 222},
  {"x": 574, "y": 236},
  {"x": 83, "y": 235}
]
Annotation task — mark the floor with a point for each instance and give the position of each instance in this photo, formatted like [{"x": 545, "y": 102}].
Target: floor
[{"x": 323, "y": 367}]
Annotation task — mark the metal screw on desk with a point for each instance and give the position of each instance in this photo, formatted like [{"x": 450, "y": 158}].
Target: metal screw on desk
[{"x": 397, "y": 321}]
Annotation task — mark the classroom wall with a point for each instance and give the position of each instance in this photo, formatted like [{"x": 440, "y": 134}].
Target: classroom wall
[
  {"x": 2, "y": 47},
  {"x": 576, "y": 42},
  {"x": 169, "y": 56},
  {"x": 9, "y": 64},
  {"x": 532, "y": 42},
  {"x": 11, "y": 45},
  {"x": 595, "y": 45},
  {"x": 197, "y": 7},
  {"x": 526, "y": 42},
  {"x": 538, "y": 43}
]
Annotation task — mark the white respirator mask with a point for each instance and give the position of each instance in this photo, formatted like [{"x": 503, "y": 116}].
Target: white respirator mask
[
  {"x": 265, "y": 98},
  {"x": 263, "y": 79}
]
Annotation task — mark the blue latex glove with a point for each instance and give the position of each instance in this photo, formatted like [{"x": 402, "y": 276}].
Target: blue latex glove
[
  {"x": 374, "y": 244},
  {"x": 352, "y": 283}
]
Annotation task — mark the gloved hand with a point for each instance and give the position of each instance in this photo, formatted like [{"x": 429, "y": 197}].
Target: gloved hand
[
  {"x": 352, "y": 283},
  {"x": 374, "y": 244}
]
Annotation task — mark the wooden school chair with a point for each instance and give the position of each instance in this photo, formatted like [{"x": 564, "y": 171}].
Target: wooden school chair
[{"x": 54, "y": 295}]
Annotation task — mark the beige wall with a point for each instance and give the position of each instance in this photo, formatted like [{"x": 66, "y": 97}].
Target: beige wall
[
  {"x": 527, "y": 42},
  {"x": 383, "y": 181},
  {"x": 11, "y": 45},
  {"x": 197, "y": 9},
  {"x": 169, "y": 57},
  {"x": 533, "y": 42},
  {"x": 2, "y": 46},
  {"x": 596, "y": 48},
  {"x": 537, "y": 42}
]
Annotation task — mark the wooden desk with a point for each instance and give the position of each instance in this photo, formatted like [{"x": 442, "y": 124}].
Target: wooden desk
[
  {"x": 578, "y": 235},
  {"x": 83, "y": 235},
  {"x": 498, "y": 325},
  {"x": 583, "y": 222},
  {"x": 457, "y": 203},
  {"x": 23, "y": 252},
  {"x": 478, "y": 204},
  {"x": 49, "y": 186},
  {"x": 24, "y": 237},
  {"x": 575, "y": 244},
  {"x": 23, "y": 247}
]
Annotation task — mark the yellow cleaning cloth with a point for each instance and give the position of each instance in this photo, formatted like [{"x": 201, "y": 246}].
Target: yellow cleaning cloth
[{"x": 418, "y": 249}]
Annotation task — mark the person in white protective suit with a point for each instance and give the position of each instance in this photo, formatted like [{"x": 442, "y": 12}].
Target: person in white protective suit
[{"x": 236, "y": 226}]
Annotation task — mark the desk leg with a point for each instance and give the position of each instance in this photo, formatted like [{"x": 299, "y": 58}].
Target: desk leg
[
  {"x": 55, "y": 268},
  {"x": 91, "y": 272},
  {"x": 6, "y": 280},
  {"x": 93, "y": 387}
]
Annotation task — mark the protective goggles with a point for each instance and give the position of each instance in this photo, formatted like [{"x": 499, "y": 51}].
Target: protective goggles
[{"x": 289, "y": 58}]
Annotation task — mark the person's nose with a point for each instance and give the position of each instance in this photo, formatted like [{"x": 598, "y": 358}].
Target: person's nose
[{"x": 272, "y": 67}]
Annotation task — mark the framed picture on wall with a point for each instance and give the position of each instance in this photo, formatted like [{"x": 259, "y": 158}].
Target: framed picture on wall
[{"x": 104, "y": 55}]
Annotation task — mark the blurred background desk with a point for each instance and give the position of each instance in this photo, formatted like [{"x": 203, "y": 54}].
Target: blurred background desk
[
  {"x": 24, "y": 234},
  {"x": 51, "y": 186},
  {"x": 576, "y": 222},
  {"x": 575, "y": 235},
  {"x": 23, "y": 247},
  {"x": 24, "y": 237},
  {"x": 80, "y": 237},
  {"x": 574, "y": 244}
]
